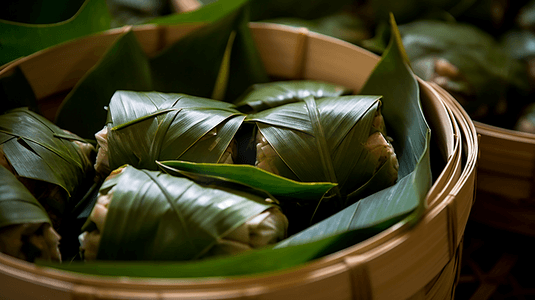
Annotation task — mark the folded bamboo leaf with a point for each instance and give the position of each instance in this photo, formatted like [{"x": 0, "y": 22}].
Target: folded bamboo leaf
[
  {"x": 262, "y": 96},
  {"x": 405, "y": 200},
  {"x": 25, "y": 228},
  {"x": 45, "y": 157},
  {"x": 263, "y": 260},
  {"x": 17, "y": 204},
  {"x": 20, "y": 39},
  {"x": 176, "y": 218},
  {"x": 145, "y": 127},
  {"x": 248, "y": 263},
  {"x": 323, "y": 140},
  {"x": 124, "y": 66},
  {"x": 254, "y": 177}
]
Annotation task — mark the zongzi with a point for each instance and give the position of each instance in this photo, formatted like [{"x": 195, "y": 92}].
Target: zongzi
[
  {"x": 336, "y": 139},
  {"x": 145, "y": 127},
  {"x": 176, "y": 219},
  {"x": 52, "y": 163}
]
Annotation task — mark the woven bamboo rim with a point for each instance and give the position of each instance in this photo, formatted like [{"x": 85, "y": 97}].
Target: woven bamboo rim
[{"x": 401, "y": 262}]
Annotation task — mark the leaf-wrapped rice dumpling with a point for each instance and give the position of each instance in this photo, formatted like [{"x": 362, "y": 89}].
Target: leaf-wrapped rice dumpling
[
  {"x": 150, "y": 215},
  {"x": 336, "y": 139},
  {"x": 52, "y": 163},
  {"x": 263, "y": 96},
  {"x": 25, "y": 229},
  {"x": 145, "y": 127}
]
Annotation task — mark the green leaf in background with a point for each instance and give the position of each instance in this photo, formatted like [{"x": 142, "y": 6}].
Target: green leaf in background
[
  {"x": 262, "y": 96},
  {"x": 254, "y": 177},
  {"x": 192, "y": 65},
  {"x": 124, "y": 66},
  {"x": 177, "y": 218},
  {"x": 15, "y": 91},
  {"x": 393, "y": 79},
  {"x": 20, "y": 39},
  {"x": 486, "y": 71}
]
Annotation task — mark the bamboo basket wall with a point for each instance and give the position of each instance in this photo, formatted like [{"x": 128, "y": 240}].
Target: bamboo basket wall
[
  {"x": 506, "y": 180},
  {"x": 402, "y": 262}
]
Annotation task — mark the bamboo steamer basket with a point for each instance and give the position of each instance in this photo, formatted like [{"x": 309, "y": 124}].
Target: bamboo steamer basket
[
  {"x": 506, "y": 180},
  {"x": 406, "y": 261}
]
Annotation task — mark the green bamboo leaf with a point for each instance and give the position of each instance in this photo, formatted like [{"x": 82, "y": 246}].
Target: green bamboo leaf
[
  {"x": 124, "y": 66},
  {"x": 223, "y": 75},
  {"x": 27, "y": 33},
  {"x": 176, "y": 218},
  {"x": 312, "y": 139},
  {"x": 37, "y": 149},
  {"x": 254, "y": 177},
  {"x": 168, "y": 126},
  {"x": 51, "y": 164},
  {"x": 201, "y": 54},
  {"x": 260, "y": 261},
  {"x": 262, "y": 96},
  {"x": 405, "y": 200},
  {"x": 17, "y": 204}
]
